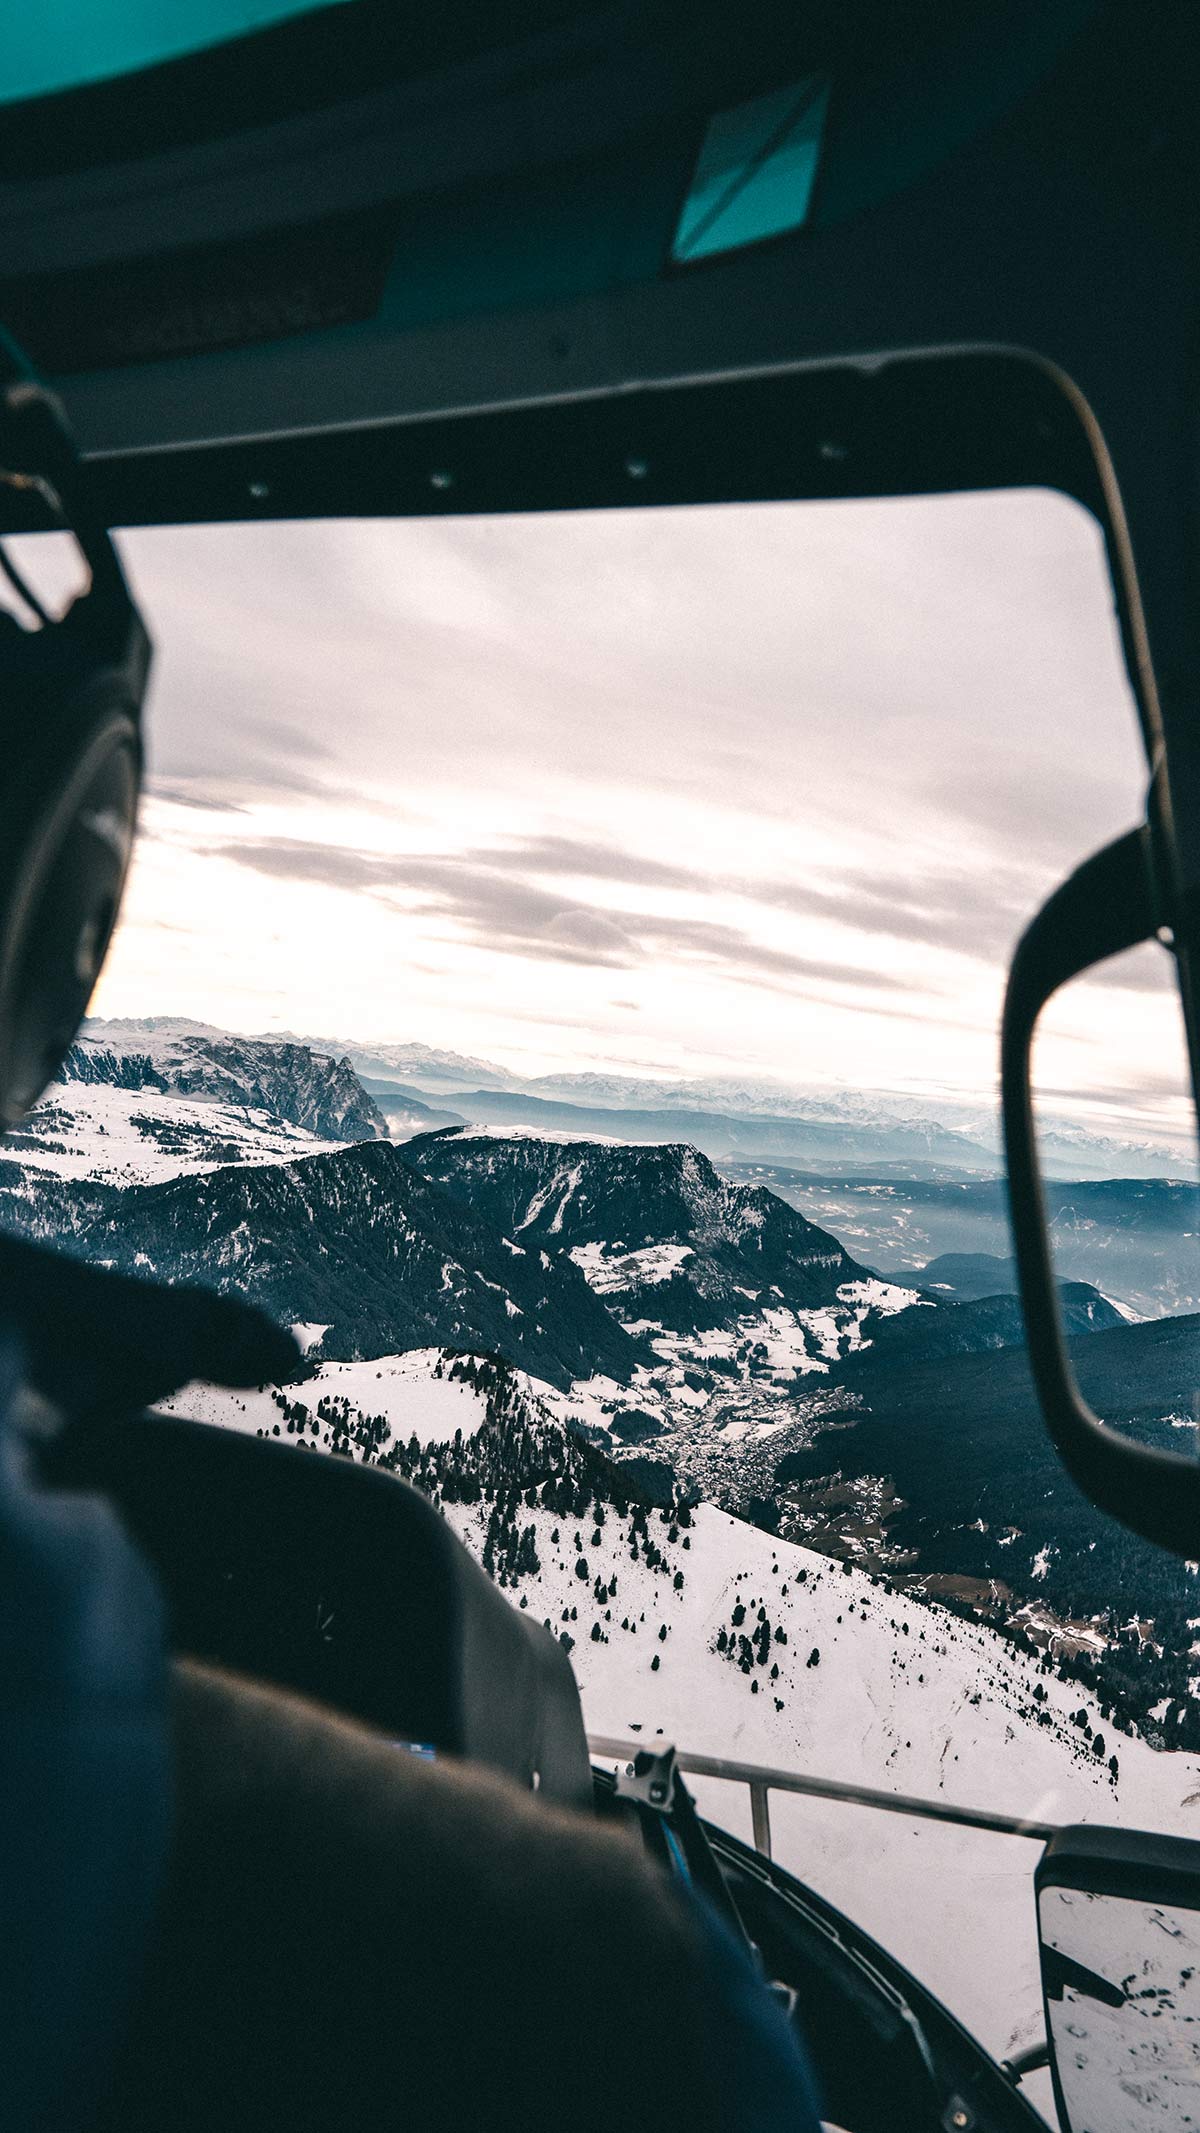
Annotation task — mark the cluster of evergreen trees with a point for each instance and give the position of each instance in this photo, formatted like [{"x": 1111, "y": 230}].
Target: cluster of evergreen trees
[
  {"x": 752, "y": 1641},
  {"x": 516, "y": 1462}
]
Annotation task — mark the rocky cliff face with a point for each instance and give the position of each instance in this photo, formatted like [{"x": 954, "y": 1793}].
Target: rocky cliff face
[
  {"x": 656, "y": 1231},
  {"x": 287, "y": 1082}
]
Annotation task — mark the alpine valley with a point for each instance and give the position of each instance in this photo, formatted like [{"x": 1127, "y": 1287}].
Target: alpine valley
[{"x": 727, "y": 1384}]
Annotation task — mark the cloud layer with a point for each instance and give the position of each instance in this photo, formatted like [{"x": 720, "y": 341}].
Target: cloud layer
[{"x": 767, "y": 786}]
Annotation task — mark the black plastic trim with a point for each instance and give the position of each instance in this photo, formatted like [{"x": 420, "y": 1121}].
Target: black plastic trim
[
  {"x": 1113, "y": 902},
  {"x": 917, "y": 423}
]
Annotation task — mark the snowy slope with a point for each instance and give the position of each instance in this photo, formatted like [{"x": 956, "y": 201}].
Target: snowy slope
[
  {"x": 107, "y": 1135},
  {"x": 903, "y": 1695},
  {"x": 138, "y": 1103},
  {"x": 402, "y": 1388}
]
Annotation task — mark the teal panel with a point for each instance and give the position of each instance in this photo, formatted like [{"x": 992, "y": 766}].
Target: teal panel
[
  {"x": 51, "y": 45},
  {"x": 755, "y": 173}
]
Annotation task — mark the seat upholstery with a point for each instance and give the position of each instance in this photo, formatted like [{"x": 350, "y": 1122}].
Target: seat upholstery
[{"x": 353, "y": 1938}]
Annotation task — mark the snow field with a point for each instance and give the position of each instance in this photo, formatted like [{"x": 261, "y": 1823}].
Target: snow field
[
  {"x": 111, "y": 1136},
  {"x": 402, "y": 1388},
  {"x": 956, "y": 1906}
]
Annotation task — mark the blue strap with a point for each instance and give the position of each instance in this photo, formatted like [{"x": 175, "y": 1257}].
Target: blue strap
[
  {"x": 765, "y": 2082},
  {"x": 678, "y": 1860}
]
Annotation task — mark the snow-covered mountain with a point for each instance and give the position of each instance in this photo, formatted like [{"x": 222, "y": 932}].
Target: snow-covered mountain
[
  {"x": 655, "y": 1299},
  {"x": 682, "y": 1319},
  {"x": 743, "y": 1305},
  {"x": 689, "y": 1625},
  {"x": 102, "y": 1133},
  {"x": 359, "y": 1245},
  {"x": 656, "y": 1226},
  {"x": 288, "y": 1082},
  {"x": 137, "y": 1103}
]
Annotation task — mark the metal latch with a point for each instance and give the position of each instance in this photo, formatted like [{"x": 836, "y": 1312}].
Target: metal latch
[{"x": 649, "y": 1779}]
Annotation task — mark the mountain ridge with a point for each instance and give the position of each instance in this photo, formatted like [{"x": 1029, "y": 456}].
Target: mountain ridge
[
  {"x": 652, "y": 1224},
  {"x": 867, "y": 1125},
  {"x": 725, "y": 1136},
  {"x": 288, "y": 1082},
  {"x": 357, "y": 1244}
]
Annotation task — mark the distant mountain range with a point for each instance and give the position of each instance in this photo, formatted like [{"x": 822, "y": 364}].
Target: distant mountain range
[
  {"x": 838, "y": 1132},
  {"x": 1136, "y": 1239},
  {"x": 439, "y": 1072},
  {"x": 920, "y": 1149}
]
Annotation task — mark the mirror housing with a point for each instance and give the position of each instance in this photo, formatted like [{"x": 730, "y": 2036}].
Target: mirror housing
[
  {"x": 1119, "y": 1937},
  {"x": 1114, "y": 901}
]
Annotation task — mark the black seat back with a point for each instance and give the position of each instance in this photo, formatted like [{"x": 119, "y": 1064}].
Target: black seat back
[{"x": 342, "y": 1582}]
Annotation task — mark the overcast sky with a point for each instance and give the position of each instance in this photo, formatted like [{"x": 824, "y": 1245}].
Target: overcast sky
[{"x": 761, "y": 790}]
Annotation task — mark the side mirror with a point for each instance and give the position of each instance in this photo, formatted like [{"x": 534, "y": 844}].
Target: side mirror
[
  {"x": 1119, "y": 1931},
  {"x": 1113, "y": 902}
]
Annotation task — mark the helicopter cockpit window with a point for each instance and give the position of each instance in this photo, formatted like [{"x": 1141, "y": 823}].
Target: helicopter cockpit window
[{"x": 561, "y": 979}]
